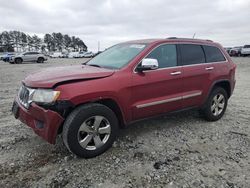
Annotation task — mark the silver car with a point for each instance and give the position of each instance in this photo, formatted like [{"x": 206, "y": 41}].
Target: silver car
[{"x": 28, "y": 57}]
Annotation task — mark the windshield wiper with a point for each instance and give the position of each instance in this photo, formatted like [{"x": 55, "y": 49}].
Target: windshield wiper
[{"x": 94, "y": 65}]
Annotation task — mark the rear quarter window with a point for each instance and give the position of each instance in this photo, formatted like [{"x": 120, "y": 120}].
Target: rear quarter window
[
  {"x": 191, "y": 54},
  {"x": 213, "y": 54}
]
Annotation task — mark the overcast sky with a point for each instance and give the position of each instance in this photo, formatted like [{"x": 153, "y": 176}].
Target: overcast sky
[{"x": 114, "y": 21}]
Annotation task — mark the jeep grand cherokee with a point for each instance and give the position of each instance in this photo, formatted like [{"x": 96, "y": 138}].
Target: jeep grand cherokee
[{"x": 130, "y": 81}]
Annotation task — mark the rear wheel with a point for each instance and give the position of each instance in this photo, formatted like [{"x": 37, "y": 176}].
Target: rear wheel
[
  {"x": 90, "y": 130},
  {"x": 40, "y": 60},
  {"x": 216, "y": 104}
]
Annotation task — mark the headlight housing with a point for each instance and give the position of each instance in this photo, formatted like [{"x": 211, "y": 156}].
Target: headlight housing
[{"x": 44, "y": 95}]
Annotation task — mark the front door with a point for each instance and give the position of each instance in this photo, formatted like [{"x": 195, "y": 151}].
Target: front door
[{"x": 158, "y": 91}]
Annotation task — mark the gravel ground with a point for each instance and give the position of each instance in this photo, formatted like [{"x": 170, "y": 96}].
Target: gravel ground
[{"x": 181, "y": 150}]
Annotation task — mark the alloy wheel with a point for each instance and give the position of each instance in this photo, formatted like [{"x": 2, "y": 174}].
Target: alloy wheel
[
  {"x": 218, "y": 104},
  {"x": 94, "y": 132}
]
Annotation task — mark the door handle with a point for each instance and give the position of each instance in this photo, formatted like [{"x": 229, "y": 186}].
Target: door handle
[
  {"x": 209, "y": 68},
  {"x": 175, "y": 73}
]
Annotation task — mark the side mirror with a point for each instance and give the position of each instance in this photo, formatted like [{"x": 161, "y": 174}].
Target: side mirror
[{"x": 148, "y": 64}]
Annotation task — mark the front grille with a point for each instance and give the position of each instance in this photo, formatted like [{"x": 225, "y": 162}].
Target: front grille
[{"x": 24, "y": 96}]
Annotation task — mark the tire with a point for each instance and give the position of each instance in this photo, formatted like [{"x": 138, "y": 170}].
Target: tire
[
  {"x": 80, "y": 127},
  {"x": 18, "y": 60},
  {"x": 40, "y": 60},
  {"x": 214, "y": 110}
]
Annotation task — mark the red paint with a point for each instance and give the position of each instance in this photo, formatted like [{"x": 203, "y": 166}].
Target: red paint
[
  {"x": 127, "y": 88},
  {"x": 50, "y": 119}
]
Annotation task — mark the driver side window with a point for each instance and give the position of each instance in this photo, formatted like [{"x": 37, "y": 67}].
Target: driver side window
[{"x": 165, "y": 54}]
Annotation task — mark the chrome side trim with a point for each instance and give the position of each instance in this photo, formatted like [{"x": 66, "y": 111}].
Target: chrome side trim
[
  {"x": 158, "y": 102},
  {"x": 168, "y": 100},
  {"x": 191, "y": 95}
]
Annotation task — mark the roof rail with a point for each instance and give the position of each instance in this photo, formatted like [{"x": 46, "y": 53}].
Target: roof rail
[{"x": 189, "y": 39}]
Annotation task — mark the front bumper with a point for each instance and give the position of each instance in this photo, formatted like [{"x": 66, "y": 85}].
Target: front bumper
[
  {"x": 44, "y": 123},
  {"x": 245, "y": 52}
]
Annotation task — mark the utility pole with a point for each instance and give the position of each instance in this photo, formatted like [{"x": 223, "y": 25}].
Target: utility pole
[{"x": 98, "y": 46}]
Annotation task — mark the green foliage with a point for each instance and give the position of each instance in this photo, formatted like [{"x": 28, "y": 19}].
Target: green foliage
[{"x": 10, "y": 40}]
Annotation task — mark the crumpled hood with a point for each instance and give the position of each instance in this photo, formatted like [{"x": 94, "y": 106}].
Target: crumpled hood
[{"x": 47, "y": 78}]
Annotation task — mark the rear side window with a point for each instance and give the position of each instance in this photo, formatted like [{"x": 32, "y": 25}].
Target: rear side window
[
  {"x": 213, "y": 54},
  {"x": 165, "y": 54},
  {"x": 191, "y": 54}
]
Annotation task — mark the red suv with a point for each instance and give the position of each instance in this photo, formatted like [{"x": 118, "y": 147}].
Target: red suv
[{"x": 130, "y": 81}]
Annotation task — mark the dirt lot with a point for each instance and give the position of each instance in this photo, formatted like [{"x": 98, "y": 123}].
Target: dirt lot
[{"x": 180, "y": 150}]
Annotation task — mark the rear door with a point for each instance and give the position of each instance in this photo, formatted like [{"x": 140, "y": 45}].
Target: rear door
[
  {"x": 27, "y": 56},
  {"x": 158, "y": 91},
  {"x": 34, "y": 56},
  {"x": 195, "y": 75}
]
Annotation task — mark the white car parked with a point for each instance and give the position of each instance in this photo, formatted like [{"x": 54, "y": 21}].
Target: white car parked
[
  {"x": 81, "y": 54},
  {"x": 89, "y": 54},
  {"x": 73, "y": 54},
  {"x": 245, "y": 50},
  {"x": 28, "y": 57},
  {"x": 56, "y": 54}
]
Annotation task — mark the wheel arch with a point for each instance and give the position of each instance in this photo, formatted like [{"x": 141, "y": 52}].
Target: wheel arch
[
  {"x": 109, "y": 102},
  {"x": 18, "y": 58},
  {"x": 40, "y": 57},
  {"x": 225, "y": 84}
]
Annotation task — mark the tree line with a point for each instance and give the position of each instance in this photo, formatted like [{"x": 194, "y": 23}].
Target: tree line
[{"x": 11, "y": 41}]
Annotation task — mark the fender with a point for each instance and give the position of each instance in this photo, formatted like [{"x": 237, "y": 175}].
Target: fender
[
  {"x": 212, "y": 86},
  {"x": 100, "y": 98}
]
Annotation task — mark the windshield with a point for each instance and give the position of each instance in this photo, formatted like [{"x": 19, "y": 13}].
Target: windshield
[{"x": 117, "y": 56}]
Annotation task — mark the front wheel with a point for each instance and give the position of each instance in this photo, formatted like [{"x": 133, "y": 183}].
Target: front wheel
[
  {"x": 216, "y": 104},
  {"x": 18, "y": 60},
  {"x": 90, "y": 130}
]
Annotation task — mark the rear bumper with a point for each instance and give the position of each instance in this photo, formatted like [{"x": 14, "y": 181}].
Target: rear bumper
[{"x": 44, "y": 123}]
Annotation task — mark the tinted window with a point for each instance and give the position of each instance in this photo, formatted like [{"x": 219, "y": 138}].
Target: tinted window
[
  {"x": 191, "y": 54},
  {"x": 247, "y": 46},
  {"x": 213, "y": 54},
  {"x": 165, "y": 54}
]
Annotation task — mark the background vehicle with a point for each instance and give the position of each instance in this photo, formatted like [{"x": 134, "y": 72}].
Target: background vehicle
[
  {"x": 56, "y": 55},
  {"x": 235, "y": 51},
  {"x": 79, "y": 54},
  {"x": 88, "y": 54},
  {"x": 28, "y": 57},
  {"x": 228, "y": 49},
  {"x": 245, "y": 50},
  {"x": 65, "y": 54},
  {"x": 1, "y": 56},
  {"x": 73, "y": 54},
  {"x": 126, "y": 83},
  {"x": 7, "y": 57}
]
